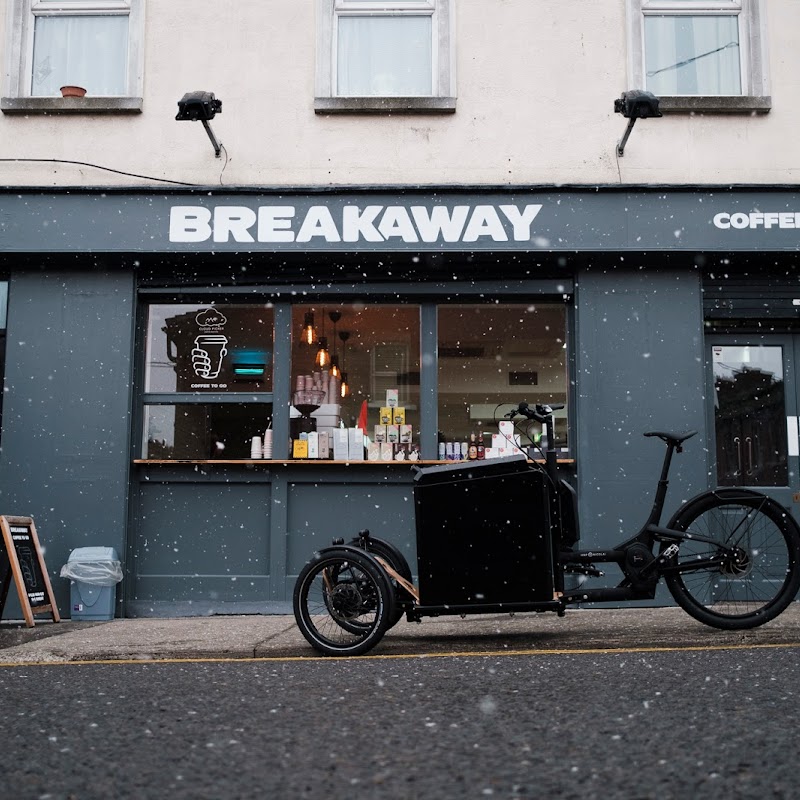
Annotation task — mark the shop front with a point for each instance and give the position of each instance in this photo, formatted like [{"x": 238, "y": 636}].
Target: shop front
[{"x": 218, "y": 383}]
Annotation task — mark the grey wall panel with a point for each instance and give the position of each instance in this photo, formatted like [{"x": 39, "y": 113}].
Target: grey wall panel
[
  {"x": 208, "y": 543},
  {"x": 66, "y": 410},
  {"x": 319, "y": 512},
  {"x": 639, "y": 368}
]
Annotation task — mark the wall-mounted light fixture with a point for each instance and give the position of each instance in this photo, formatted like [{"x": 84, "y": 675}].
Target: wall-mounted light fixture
[
  {"x": 633, "y": 105},
  {"x": 201, "y": 106}
]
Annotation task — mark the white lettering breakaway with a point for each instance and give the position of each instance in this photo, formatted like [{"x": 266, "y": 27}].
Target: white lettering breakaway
[
  {"x": 757, "y": 219},
  {"x": 373, "y": 223}
]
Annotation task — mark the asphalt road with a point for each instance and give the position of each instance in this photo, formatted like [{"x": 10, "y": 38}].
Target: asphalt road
[{"x": 688, "y": 724}]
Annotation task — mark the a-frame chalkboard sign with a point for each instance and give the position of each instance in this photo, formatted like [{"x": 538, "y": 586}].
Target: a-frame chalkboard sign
[{"x": 21, "y": 560}]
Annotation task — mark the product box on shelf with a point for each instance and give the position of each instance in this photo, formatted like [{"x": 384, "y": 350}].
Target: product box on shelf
[
  {"x": 405, "y": 434},
  {"x": 373, "y": 451},
  {"x": 398, "y": 416},
  {"x": 393, "y": 434},
  {"x": 300, "y": 448},
  {"x": 387, "y": 451},
  {"x": 380, "y": 433},
  {"x": 385, "y": 415},
  {"x": 392, "y": 397},
  {"x": 313, "y": 444},
  {"x": 355, "y": 444},
  {"x": 324, "y": 444},
  {"x": 340, "y": 444}
]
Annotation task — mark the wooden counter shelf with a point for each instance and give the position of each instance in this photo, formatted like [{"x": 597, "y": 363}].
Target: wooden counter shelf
[{"x": 315, "y": 461}]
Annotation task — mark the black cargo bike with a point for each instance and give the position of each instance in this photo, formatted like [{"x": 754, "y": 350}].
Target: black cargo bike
[{"x": 498, "y": 536}]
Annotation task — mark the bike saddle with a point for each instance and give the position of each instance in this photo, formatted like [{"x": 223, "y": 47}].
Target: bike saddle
[{"x": 672, "y": 438}]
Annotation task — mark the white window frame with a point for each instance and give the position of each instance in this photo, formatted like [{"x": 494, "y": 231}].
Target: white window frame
[
  {"x": 755, "y": 94},
  {"x": 20, "y": 21},
  {"x": 443, "y": 97}
]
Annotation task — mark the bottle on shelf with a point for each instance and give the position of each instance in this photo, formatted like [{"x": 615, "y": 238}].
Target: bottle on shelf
[
  {"x": 473, "y": 448},
  {"x": 481, "y": 448}
]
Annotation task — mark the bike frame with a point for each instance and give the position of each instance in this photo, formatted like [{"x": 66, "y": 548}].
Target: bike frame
[{"x": 640, "y": 580}]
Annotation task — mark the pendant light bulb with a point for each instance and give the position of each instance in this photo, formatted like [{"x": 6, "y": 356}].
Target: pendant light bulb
[
  {"x": 335, "y": 371},
  {"x": 323, "y": 358},
  {"x": 344, "y": 389},
  {"x": 308, "y": 328}
]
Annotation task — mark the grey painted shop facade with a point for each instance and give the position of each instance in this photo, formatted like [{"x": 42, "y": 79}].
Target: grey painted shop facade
[{"x": 671, "y": 299}]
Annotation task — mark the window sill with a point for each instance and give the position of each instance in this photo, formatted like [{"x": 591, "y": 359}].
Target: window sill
[
  {"x": 71, "y": 105},
  {"x": 384, "y": 105},
  {"x": 716, "y": 105}
]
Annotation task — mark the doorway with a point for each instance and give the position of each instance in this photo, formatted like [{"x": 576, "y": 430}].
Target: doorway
[{"x": 754, "y": 400}]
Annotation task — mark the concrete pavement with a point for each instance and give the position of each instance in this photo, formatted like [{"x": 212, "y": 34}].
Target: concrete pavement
[{"x": 277, "y": 636}]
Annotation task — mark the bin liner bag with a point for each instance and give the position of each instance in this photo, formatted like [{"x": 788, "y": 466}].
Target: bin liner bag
[{"x": 95, "y": 573}]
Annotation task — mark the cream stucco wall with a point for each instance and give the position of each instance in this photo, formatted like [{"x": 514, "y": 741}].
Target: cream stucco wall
[{"x": 536, "y": 84}]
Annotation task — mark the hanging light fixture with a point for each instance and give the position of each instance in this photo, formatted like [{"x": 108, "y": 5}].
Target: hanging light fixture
[
  {"x": 344, "y": 389},
  {"x": 335, "y": 316},
  {"x": 308, "y": 328},
  {"x": 323, "y": 358}
]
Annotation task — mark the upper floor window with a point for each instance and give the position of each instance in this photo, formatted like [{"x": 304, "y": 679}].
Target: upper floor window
[
  {"x": 700, "y": 55},
  {"x": 385, "y": 56},
  {"x": 93, "y": 44}
]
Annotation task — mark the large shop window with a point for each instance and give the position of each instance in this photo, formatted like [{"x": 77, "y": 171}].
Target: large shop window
[
  {"x": 357, "y": 363},
  {"x": 361, "y": 381},
  {"x": 94, "y": 44},
  {"x": 695, "y": 54},
  {"x": 208, "y": 380},
  {"x": 379, "y": 56},
  {"x": 491, "y": 357}
]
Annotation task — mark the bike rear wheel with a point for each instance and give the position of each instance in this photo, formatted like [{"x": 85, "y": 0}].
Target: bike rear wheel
[
  {"x": 343, "y": 602},
  {"x": 760, "y": 573}
]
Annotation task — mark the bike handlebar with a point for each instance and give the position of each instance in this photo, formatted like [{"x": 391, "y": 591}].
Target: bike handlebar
[{"x": 539, "y": 413}]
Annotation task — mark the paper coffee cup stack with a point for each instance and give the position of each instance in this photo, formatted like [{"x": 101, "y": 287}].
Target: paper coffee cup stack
[
  {"x": 256, "y": 448},
  {"x": 267, "y": 449}
]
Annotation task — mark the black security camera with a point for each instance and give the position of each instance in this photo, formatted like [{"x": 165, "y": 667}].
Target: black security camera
[
  {"x": 202, "y": 106},
  {"x": 195, "y": 106},
  {"x": 637, "y": 104},
  {"x": 633, "y": 105}
]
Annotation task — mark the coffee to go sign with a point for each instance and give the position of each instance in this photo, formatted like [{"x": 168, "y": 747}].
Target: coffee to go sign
[{"x": 351, "y": 223}]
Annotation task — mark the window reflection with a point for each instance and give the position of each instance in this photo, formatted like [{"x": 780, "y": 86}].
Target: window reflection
[
  {"x": 491, "y": 357},
  {"x": 203, "y": 431}
]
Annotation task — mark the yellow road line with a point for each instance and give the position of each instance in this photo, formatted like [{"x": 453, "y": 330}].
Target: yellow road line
[{"x": 396, "y": 656}]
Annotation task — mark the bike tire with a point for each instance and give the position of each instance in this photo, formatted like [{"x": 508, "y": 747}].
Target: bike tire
[
  {"x": 343, "y": 602},
  {"x": 759, "y": 582}
]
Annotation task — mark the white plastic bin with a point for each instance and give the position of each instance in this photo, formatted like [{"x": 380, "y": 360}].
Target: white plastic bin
[{"x": 94, "y": 573}]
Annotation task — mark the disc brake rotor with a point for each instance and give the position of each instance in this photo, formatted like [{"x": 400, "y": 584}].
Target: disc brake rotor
[{"x": 738, "y": 564}]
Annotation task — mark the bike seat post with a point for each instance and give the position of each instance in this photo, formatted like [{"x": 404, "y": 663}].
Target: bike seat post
[{"x": 663, "y": 485}]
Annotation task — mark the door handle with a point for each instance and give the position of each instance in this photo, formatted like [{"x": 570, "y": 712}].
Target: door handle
[
  {"x": 749, "y": 441},
  {"x": 738, "y": 442}
]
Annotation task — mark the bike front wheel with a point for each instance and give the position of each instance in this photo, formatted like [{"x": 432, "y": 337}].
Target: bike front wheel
[
  {"x": 746, "y": 570},
  {"x": 343, "y": 602}
]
